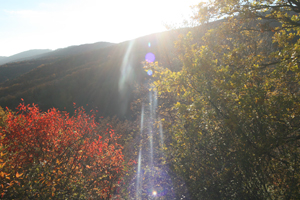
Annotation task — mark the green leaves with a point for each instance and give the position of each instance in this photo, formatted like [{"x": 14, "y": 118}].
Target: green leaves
[{"x": 233, "y": 107}]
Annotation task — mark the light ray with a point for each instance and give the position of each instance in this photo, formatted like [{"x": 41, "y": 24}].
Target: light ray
[
  {"x": 154, "y": 104},
  {"x": 161, "y": 134},
  {"x": 139, "y": 178},
  {"x": 151, "y": 139},
  {"x": 138, "y": 183},
  {"x": 126, "y": 67}
]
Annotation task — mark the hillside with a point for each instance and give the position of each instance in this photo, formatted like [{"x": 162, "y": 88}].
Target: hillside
[
  {"x": 98, "y": 76},
  {"x": 103, "y": 78},
  {"x": 20, "y": 66},
  {"x": 74, "y": 50},
  {"x": 12, "y": 70}
]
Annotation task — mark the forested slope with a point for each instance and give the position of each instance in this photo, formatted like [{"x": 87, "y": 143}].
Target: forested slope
[{"x": 103, "y": 79}]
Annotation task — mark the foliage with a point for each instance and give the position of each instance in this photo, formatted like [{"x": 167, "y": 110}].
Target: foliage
[
  {"x": 129, "y": 140},
  {"x": 232, "y": 112},
  {"x": 50, "y": 155}
]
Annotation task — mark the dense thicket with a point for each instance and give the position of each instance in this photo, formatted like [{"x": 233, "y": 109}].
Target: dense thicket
[
  {"x": 231, "y": 114},
  {"x": 54, "y": 156}
]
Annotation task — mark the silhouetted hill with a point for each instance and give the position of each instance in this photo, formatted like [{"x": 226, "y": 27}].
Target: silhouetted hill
[
  {"x": 16, "y": 68},
  {"x": 23, "y": 55},
  {"x": 97, "y": 76},
  {"x": 100, "y": 79},
  {"x": 104, "y": 78},
  {"x": 74, "y": 50}
]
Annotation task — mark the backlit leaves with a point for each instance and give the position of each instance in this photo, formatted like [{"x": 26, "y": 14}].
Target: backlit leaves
[
  {"x": 51, "y": 155},
  {"x": 233, "y": 109}
]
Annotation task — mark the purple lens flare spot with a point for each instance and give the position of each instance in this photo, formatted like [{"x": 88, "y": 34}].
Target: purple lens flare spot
[{"x": 150, "y": 57}]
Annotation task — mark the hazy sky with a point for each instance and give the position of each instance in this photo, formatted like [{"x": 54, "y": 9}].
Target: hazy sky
[{"x": 52, "y": 24}]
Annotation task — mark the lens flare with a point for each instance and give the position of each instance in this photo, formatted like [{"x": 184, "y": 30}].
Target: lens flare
[
  {"x": 126, "y": 69},
  {"x": 154, "y": 103},
  {"x": 161, "y": 133},
  {"x": 139, "y": 184},
  {"x": 154, "y": 193},
  {"x": 149, "y": 44},
  {"x": 139, "y": 178},
  {"x": 149, "y": 72},
  {"x": 151, "y": 139},
  {"x": 150, "y": 57}
]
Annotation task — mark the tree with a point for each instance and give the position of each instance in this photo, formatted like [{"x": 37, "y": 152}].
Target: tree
[
  {"x": 234, "y": 124},
  {"x": 50, "y": 155}
]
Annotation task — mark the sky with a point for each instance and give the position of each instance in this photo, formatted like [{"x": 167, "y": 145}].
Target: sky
[{"x": 53, "y": 24}]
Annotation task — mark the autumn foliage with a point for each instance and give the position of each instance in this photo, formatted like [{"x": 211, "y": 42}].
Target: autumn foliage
[{"x": 52, "y": 155}]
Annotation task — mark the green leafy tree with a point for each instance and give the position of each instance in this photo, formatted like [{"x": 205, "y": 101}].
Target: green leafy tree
[{"x": 231, "y": 113}]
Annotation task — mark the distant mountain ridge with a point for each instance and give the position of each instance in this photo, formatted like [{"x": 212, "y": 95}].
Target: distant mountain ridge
[
  {"x": 89, "y": 75},
  {"x": 47, "y": 53},
  {"x": 76, "y": 49},
  {"x": 2, "y": 58},
  {"x": 23, "y": 55},
  {"x": 98, "y": 76},
  {"x": 18, "y": 66}
]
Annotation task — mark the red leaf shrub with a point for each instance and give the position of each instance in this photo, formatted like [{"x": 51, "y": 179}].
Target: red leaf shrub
[{"x": 52, "y": 155}]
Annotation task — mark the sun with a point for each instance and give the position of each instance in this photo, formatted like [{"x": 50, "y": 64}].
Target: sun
[{"x": 154, "y": 193}]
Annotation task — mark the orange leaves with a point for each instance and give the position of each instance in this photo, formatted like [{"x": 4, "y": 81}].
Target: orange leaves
[
  {"x": 3, "y": 174},
  {"x": 18, "y": 175}
]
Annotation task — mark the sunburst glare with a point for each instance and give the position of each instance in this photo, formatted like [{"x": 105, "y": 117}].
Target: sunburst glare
[{"x": 154, "y": 193}]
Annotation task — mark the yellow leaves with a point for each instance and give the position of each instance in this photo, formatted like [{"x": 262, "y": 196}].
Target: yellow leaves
[
  {"x": 177, "y": 104},
  {"x": 2, "y": 164},
  {"x": 2, "y": 154},
  {"x": 293, "y": 116},
  {"x": 58, "y": 162}
]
